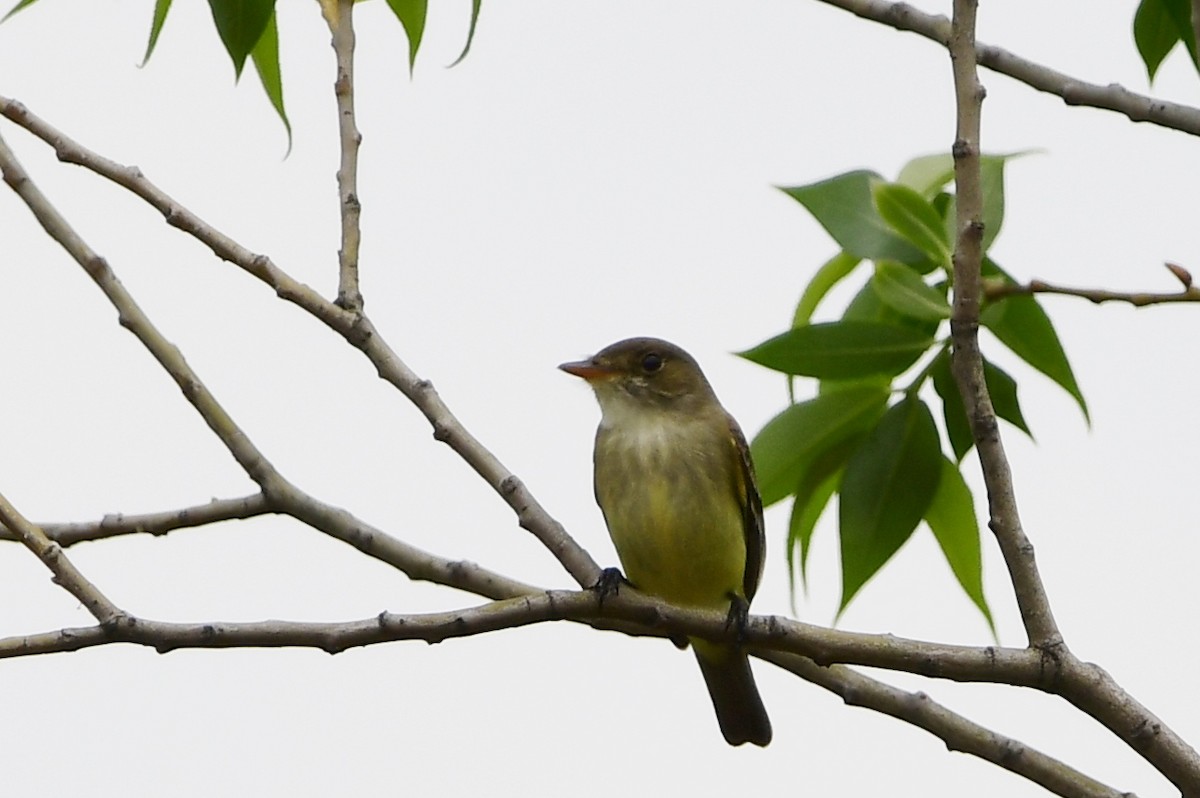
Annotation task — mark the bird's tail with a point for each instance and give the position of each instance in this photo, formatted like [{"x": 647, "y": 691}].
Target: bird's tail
[{"x": 740, "y": 710}]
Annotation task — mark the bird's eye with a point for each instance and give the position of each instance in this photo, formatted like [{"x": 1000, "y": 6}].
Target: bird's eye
[{"x": 652, "y": 362}]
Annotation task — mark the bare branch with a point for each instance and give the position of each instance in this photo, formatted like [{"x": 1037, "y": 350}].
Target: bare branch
[
  {"x": 280, "y": 494},
  {"x": 66, "y": 575},
  {"x": 160, "y": 523},
  {"x": 341, "y": 27},
  {"x": 1080, "y": 683},
  {"x": 935, "y": 27},
  {"x": 957, "y": 732},
  {"x": 967, "y": 358},
  {"x": 356, "y": 328},
  {"x": 1084, "y": 685},
  {"x": 131, "y": 316},
  {"x": 995, "y": 290}
]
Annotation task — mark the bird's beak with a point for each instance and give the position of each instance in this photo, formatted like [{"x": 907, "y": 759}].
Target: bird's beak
[{"x": 588, "y": 370}]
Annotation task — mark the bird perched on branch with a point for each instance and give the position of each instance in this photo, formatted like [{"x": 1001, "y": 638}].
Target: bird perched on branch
[{"x": 674, "y": 480}]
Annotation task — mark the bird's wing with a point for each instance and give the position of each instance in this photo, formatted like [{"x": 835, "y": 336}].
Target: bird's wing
[{"x": 752, "y": 512}]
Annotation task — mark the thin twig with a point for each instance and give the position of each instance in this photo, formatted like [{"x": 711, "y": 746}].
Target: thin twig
[
  {"x": 66, "y": 575},
  {"x": 160, "y": 523},
  {"x": 1113, "y": 97},
  {"x": 341, "y": 27},
  {"x": 1001, "y": 289},
  {"x": 356, "y": 328},
  {"x": 957, "y": 732}
]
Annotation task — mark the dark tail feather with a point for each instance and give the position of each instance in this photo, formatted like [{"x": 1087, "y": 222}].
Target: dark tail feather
[{"x": 734, "y": 694}]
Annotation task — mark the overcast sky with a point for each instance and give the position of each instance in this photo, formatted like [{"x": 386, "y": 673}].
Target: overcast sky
[{"x": 593, "y": 170}]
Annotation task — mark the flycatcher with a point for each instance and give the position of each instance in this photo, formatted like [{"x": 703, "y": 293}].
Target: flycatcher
[{"x": 676, "y": 486}]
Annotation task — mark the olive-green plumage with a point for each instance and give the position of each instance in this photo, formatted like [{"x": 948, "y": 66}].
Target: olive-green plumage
[{"x": 674, "y": 481}]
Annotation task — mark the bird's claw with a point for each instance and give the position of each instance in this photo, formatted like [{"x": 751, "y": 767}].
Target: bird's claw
[
  {"x": 609, "y": 583},
  {"x": 738, "y": 617}
]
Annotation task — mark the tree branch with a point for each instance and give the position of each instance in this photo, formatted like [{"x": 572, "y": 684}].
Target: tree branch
[
  {"x": 356, "y": 329},
  {"x": 935, "y": 27},
  {"x": 341, "y": 27},
  {"x": 1081, "y": 683},
  {"x": 160, "y": 523},
  {"x": 281, "y": 495},
  {"x": 997, "y": 290},
  {"x": 66, "y": 575},
  {"x": 957, "y": 732},
  {"x": 967, "y": 360}
]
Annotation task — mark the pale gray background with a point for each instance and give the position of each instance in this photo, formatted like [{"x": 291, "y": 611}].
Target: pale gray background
[{"x": 593, "y": 170}]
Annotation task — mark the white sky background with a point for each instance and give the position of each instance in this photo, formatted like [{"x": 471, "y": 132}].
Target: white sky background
[{"x": 593, "y": 170}]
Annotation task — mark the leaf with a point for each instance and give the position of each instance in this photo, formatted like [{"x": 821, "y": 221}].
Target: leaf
[
  {"x": 411, "y": 14},
  {"x": 790, "y": 442},
  {"x": 991, "y": 174},
  {"x": 1001, "y": 387},
  {"x": 807, "y": 509},
  {"x": 161, "y": 7},
  {"x": 913, "y": 217},
  {"x": 841, "y": 350},
  {"x": 266, "y": 63},
  {"x": 19, "y": 6},
  {"x": 1158, "y": 26},
  {"x": 240, "y": 24},
  {"x": 830, "y": 274},
  {"x": 951, "y": 517},
  {"x": 475, "y": 6},
  {"x": 1003, "y": 390},
  {"x": 886, "y": 490},
  {"x": 903, "y": 290},
  {"x": 958, "y": 427},
  {"x": 928, "y": 174},
  {"x": 867, "y": 306},
  {"x": 1021, "y": 325},
  {"x": 843, "y": 206}
]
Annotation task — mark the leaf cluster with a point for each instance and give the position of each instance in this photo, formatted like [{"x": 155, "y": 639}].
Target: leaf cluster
[
  {"x": 870, "y": 435},
  {"x": 247, "y": 29}
]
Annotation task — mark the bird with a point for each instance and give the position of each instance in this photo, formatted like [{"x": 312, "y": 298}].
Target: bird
[{"x": 676, "y": 486}]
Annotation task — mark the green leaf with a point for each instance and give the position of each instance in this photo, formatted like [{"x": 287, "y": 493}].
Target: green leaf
[
  {"x": 843, "y": 206},
  {"x": 790, "y": 442},
  {"x": 951, "y": 517},
  {"x": 842, "y": 350},
  {"x": 928, "y": 174},
  {"x": 1003, "y": 390},
  {"x": 266, "y": 63},
  {"x": 807, "y": 509},
  {"x": 1001, "y": 387},
  {"x": 241, "y": 23},
  {"x": 19, "y": 6},
  {"x": 913, "y": 217},
  {"x": 867, "y": 306},
  {"x": 832, "y": 272},
  {"x": 475, "y": 6},
  {"x": 1021, "y": 325},
  {"x": 411, "y": 14},
  {"x": 886, "y": 489},
  {"x": 903, "y": 290},
  {"x": 161, "y": 7},
  {"x": 1158, "y": 26},
  {"x": 958, "y": 427}
]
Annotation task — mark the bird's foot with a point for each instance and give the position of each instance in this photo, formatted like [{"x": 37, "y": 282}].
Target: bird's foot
[
  {"x": 609, "y": 583},
  {"x": 738, "y": 617}
]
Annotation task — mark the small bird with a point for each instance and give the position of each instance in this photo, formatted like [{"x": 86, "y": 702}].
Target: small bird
[{"x": 674, "y": 481}]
